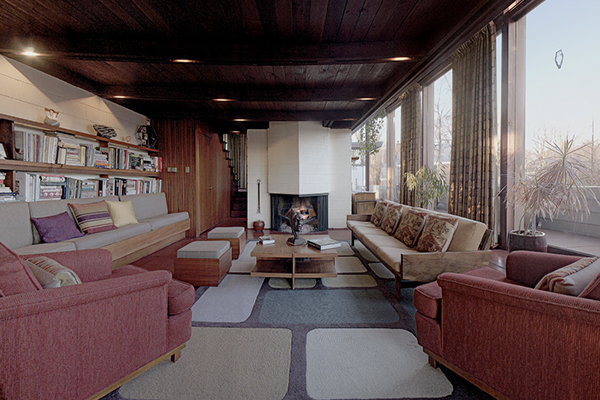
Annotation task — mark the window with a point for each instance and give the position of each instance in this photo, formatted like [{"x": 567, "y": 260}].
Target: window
[{"x": 396, "y": 160}]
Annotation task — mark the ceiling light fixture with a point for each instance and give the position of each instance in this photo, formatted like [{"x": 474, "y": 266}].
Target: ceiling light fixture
[
  {"x": 183, "y": 60},
  {"x": 366, "y": 98},
  {"x": 223, "y": 99},
  {"x": 30, "y": 52},
  {"x": 120, "y": 97},
  {"x": 399, "y": 59},
  {"x": 241, "y": 120}
]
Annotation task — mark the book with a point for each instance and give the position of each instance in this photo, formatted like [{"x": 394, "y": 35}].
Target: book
[
  {"x": 324, "y": 243},
  {"x": 266, "y": 240}
]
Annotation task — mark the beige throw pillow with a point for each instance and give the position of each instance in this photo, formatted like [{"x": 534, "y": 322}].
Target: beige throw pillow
[
  {"x": 437, "y": 233},
  {"x": 121, "y": 213},
  {"x": 64, "y": 275},
  {"x": 571, "y": 279},
  {"x": 410, "y": 226}
]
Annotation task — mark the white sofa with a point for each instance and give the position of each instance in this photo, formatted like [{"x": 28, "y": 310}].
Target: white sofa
[
  {"x": 468, "y": 248},
  {"x": 157, "y": 228}
]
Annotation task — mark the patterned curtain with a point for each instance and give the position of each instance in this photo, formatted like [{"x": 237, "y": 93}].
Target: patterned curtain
[
  {"x": 410, "y": 139},
  {"x": 472, "y": 170}
]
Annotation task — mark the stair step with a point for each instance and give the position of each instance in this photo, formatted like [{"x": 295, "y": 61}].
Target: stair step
[{"x": 238, "y": 214}]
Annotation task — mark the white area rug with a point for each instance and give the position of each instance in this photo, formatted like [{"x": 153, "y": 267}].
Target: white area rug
[
  {"x": 301, "y": 283},
  {"x": 231, "y": 301},
  {"x": 349, "y": 281},
  {"x": 244, "y": 264},
  {"x": 221, "y": 363},
  {"x": 381, "y": 271},
  {"x": 345, "y": 250},
  {"x": 349, "y": 265},
  {"x": 367, "y": 255},
  {"x": 369, "y": 364}
]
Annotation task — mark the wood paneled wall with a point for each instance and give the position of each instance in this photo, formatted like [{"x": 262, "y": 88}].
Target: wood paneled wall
[{"x": 204, "y": 191}]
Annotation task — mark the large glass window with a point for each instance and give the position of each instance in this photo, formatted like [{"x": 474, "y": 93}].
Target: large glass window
[
  {"x": 396, "y": 163},
  {"x": 378, "y": 163},
  {"x": 562, "y": 89}
]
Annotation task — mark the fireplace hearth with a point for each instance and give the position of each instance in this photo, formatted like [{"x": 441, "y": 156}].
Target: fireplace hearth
[{"x": 312, "y": 207}]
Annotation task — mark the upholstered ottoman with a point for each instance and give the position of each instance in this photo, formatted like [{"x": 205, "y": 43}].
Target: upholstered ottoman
[
  {"x": 235, "y": 235},
  {"x": 203, "y": 263}
]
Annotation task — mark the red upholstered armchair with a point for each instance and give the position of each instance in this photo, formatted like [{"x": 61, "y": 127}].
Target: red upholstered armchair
[
  {"x": 83, "y": 341},
  {"x": 511, "y": 340}
]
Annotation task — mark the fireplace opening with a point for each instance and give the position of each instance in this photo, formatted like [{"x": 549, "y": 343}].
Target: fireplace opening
[{"x": 312, "y": 207}]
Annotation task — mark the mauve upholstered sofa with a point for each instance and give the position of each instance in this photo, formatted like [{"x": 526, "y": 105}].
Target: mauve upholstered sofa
[
  {"x": 511, "y": 340},
  {"x": 83, "y": 341},
  {"x": 468, "y": 247},
  {"x": 156, "y": 229}
]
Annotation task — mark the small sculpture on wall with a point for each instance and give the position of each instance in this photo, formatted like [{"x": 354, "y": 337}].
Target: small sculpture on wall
[
  {"x": 51, "y": 117},
  {"x": 296, "y": 221},
  {"x": 105, "y": 131}
]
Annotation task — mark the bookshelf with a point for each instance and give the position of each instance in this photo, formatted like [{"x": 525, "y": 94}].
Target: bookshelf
[{"x": 37, "y": 163}]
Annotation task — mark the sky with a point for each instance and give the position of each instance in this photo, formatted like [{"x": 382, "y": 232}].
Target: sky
[{"x": 564, "y": 100}]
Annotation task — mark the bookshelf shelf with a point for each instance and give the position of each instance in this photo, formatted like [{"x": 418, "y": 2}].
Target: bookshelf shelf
[
  {"x": 39, "y": 125},
  {"x": 26, "y": 166}
]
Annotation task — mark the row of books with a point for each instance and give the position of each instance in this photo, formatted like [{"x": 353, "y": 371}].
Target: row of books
[
  {"x": 61, "y": 148},
  {"x": 6, "y": 193},
  {"x": 29, "y": 186}
]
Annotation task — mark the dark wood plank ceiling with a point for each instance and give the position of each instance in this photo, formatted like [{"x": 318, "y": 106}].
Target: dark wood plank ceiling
[{"x": 325, "y": 60}]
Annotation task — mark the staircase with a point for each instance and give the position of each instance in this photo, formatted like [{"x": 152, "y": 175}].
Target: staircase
[
  {"x": 239, "y": 204},
  {"x": 235, "y": 150}
]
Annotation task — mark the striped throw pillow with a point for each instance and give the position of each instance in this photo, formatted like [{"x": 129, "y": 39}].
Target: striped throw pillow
[
  {"x": 63, "y": 275},
  {"x": 92, "y": 217}
]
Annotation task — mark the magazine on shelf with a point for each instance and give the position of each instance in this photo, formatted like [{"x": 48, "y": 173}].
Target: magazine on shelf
[
  {"x": 266, "y": 239},
  {"x": 324, "y": 243}
]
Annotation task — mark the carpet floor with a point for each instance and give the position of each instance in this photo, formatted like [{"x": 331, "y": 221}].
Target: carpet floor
[{"x": 258, "y": 339}]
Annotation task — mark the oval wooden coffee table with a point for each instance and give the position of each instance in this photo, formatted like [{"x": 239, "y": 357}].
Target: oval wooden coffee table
[{"x": 281, "y": 260}]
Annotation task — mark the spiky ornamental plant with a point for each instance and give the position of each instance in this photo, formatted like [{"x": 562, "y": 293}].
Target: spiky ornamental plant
[
  {"x": 557, "y": 182},
  {"x": 428, "y": 185}
]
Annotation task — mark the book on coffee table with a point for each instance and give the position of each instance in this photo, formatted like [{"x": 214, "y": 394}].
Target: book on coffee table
[
  {"x": 266, "y": 239},
  {"x": 324, "y": 243}
]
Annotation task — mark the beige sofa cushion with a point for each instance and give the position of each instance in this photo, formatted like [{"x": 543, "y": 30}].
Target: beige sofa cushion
[
  {"x": 392, "y": 256},
  {"x": 467, "y": 236}
]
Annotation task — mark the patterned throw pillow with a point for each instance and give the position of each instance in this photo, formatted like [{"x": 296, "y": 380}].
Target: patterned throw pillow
[
  {"x": 410, "y": 226},
  {"x": 391, "y": 218},
  {"x": 437, "y": 233},
  {"x": 557, "y": 280},
  {"x": 378, "y": 212},
  {"x": 92, "y": 217},
  {"x": 64, "y": 275}
]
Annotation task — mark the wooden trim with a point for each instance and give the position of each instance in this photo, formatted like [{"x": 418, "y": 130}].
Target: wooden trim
[
  {"x": 128, "y": 250},
  {"x": 358, "y": 217},
  {"x": 425, "y": 267},
  {"x": 174, "y": 354},
  {"x": 27, "y": 166},
  {"x": 465, "y": 375}
]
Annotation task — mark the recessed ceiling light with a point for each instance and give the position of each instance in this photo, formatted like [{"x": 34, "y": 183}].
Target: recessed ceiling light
[
  {"x": 120, "y": 97},
  {"x": 366, "y": 98},
  {"x": 235, "y": 132},
  {"x": 30, "y": 52},
  {"x": 399, "y": 59},
  {"x": 222, "y": 99},
  {"x": 241, "y": 120},
  {"x": 183, "y": 60}
]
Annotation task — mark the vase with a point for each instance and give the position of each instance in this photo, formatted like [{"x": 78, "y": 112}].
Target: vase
[
  {"x": 517, "y": 240},
  {"x": 259, "y": 225}
]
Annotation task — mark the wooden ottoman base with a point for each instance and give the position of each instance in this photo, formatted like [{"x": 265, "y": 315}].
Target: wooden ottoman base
[
  {"x": 203, "y": 271},
  {"x": 237, "y": 244}
]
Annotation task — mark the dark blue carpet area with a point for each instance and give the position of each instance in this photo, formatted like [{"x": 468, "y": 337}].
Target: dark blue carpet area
[{"x": 327, "y": 307}]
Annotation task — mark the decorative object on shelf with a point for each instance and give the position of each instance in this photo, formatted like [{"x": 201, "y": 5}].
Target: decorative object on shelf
[
  {"x": 296, "y": 221},
  {"x": 105, "y": 131},
  {"x": 51, "y": 117},
  {"x": 146, "y": 136},
  {"x": 128, "y": 139},
  {"x": 259, "y": 225},
  {"x": 2, "y": 152},
  {"x": 258, "y": 183}
]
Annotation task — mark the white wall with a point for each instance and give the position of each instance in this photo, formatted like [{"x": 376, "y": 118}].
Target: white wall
[
  {"x": 300, "y": 158},
  {"x": 25, "y": 92},
  {"x": 258, "y": 169}
]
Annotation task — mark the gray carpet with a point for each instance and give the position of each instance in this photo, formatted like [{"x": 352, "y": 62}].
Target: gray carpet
[
  {"x": 327, "y": 307},
  {"x": 351, "y": 327}
]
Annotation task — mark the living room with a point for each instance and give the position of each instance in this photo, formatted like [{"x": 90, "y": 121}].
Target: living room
[{"x": 200, "y": 129}]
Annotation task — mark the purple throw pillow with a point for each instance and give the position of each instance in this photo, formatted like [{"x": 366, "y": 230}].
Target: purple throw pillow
[{"x": 56, "y": 228}]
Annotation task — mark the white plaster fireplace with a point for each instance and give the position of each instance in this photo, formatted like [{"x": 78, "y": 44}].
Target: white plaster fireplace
[{"x": 299, "y": 158}]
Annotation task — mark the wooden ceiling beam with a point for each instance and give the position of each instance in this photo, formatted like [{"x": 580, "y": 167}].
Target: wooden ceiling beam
[
  {"x": 216, "y": 54},
  {"x": 209, "y": 93}
]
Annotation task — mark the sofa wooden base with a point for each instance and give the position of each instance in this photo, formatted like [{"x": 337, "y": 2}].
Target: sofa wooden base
[
  {"x": 174, "y": 354},
  {"x": 434, "y": 359},
  {"x": 132, "y": 249}
]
